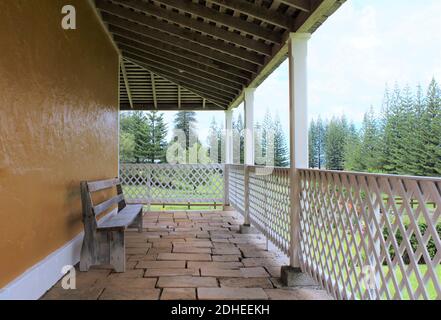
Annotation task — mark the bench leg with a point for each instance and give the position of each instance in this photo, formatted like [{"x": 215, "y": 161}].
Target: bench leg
[
  {"x": 139, "y": 222},
  {"x": 86, "y": 259},
  {"x": 117, "y": 251}
]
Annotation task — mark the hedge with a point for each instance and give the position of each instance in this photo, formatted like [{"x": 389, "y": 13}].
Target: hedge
[{"x": 414, "y": 243}]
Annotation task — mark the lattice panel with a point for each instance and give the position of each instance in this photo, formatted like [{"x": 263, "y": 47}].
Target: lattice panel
[
  {"x": 237, "y": 187},
  {"x": 180, "y": 183},
  {"x": 360, "y": 237},
  {"x": 269, "y": 204}
]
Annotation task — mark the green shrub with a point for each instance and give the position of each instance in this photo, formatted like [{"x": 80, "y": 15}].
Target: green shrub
[{"x": 431, "y": 248}]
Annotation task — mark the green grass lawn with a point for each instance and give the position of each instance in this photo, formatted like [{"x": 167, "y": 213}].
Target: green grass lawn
[{"x": 413, "y": 282}]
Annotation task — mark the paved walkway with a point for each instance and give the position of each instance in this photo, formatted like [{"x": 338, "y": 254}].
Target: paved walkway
[{"x": 187, "y": 255}]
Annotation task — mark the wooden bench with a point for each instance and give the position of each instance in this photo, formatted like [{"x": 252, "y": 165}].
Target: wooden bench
[{"x": 103, "y": 242}]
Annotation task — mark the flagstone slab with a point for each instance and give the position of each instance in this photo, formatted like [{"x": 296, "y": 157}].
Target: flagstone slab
[
  {"x": 297, "y": 294},
  {"x": 234, "y": 251},
  {"x": 256, "y": 272},
  {"x": 127, "y": 283},
  {"x": 178, "y": 294},
  {"x": 246, "y": 283},
  {"x": 220, "y": 273},
  {"x": 256, "y": 253},
  {"x": 215, "y": 265},
  {"x": 130, "y": 294},
  {"x": 231, "y": 294},
  {"x": 260, "y": 262},
  {"x": 186, "y": 282},
  {"x": 189, "y": 249},
  {"x": 58, "y": 293},
  {"x": 160, "y": 264},
  {"x": 135, "y": 273},
  {"x": 160, "y": 250},
  {"x": 171, "y": 272},
  {"x": 185, "y": 256},
  {"x": 273, "y": 271},
  {"x": 137, "y": 250},
  {"x": 226, "y": 258}
]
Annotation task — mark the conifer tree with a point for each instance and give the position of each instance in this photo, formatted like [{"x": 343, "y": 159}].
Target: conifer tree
[
  {"x": 141, "y": 132},
  {"x": 336, "y": 139},
  {"x": 313, "y": 145},
  {"x": 238, "y": 140},
  {"x": 431, "y": 131},
  {"x": 369, "y": 152},
  {"x": 157, "y": 137},
  {"x": 281, "y": 158}
]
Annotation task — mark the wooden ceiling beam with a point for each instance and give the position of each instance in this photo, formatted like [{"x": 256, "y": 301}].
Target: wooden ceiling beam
[
  {"x": 193, "y": 24},
  {"x": 302, "y": 5},
  {"x": 168, "y": 50},
  {"x": 204, "y": 78},
  {"x": 257, "y": 12},
  {"x": 223, "y": 19},
  {"x": 188, "y": 83},
  {"x": 171, "y": 106},
  {"x": 127, "y": 18},
  {"x": 126, "y": 81},
  {"x": 173, "y": 59}
]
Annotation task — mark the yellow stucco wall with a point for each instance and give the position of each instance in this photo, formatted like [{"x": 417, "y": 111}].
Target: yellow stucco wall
[{"x": 58, "y": 125}]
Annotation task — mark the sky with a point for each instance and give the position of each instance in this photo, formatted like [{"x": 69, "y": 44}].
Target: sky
[{"x": 364, "y": 47}]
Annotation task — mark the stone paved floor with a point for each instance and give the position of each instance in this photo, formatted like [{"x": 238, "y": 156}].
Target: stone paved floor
[{"x": 186, "y": 256}]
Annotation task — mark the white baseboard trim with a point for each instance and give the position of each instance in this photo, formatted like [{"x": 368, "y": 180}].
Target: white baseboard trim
[{"x": 38, "y": 279}]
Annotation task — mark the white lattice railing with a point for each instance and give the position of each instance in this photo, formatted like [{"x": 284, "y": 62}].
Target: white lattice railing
[
  {"x": 176, "y": 184},
  {"x": 269, "y": 204},
  {"x": 360, "y": 234},
  {"x": 236, "y": 187},
  {"x": 262, "y": 195}
]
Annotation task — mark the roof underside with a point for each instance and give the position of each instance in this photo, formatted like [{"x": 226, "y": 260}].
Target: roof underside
[{"x": 201, "y": 54}]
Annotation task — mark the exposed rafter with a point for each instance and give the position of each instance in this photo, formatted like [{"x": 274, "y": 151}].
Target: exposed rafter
[
  {"x": 179, "y": 61},
  {"x": 188, "y": 83},
  {"x": 257, "y": 12},
  {"x": 195, "y": 25},
  {"x": 126, "y": 81},
  {"x": 180, "y": 32},
  {"x": 303, "y": 5},
  {"x": 221, "y": 88},
  {"x": 153, "y": 82},
  {"x": 223, "y": 19},
  {"x": 117, "y": 24},
  {"x": 203, "y": 52},
  {"x": 169, "y": 51}
]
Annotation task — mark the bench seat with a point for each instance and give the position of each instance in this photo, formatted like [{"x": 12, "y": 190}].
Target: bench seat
[
  {"x": 122, "y": 220},
  {"x": 104, "y": 240}
]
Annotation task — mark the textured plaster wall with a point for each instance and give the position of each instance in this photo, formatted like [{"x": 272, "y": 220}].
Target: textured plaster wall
[{"x": 58, "y": 125}]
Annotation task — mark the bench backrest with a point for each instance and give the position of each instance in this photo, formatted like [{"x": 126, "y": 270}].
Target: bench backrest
[{"x": 90, "y": 210}]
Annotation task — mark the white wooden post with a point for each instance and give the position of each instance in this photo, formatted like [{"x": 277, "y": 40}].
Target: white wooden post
[
  {"x": 228, "y": 155},
  {"x": 249, "y": 126},
  {"x": 248, "y": 154},
  {"x": 229, "y": 136},
  {"x": 298, "y": 117}
]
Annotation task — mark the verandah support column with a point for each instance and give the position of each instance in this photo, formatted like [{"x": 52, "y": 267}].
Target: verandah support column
[
  {"x": 298, "y": 116},
  {"x": 228, "y": 155},
  {"x": 248, "y": 153}
]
